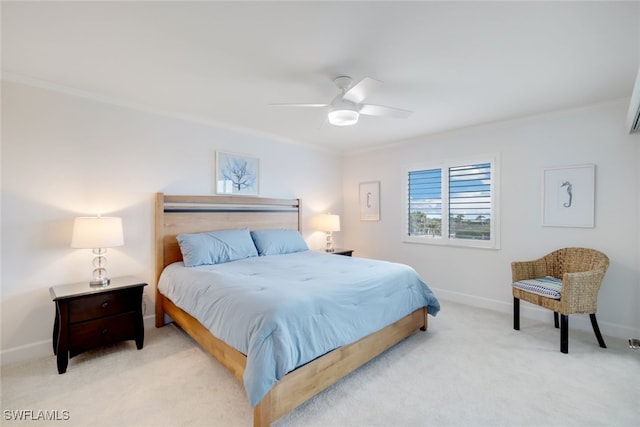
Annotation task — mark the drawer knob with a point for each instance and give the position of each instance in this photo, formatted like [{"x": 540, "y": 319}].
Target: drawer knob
[
  {"x": 105, "y": 304},
  {"x": 105, "y": 331}
]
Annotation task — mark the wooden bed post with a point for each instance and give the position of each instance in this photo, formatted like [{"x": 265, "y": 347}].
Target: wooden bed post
[
  {"x": 262, "y": 412},
  {"x": 159, "y": 255}
]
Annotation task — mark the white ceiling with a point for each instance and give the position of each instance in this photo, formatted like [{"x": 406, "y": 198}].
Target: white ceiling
[{"x": 455, "y": 64}]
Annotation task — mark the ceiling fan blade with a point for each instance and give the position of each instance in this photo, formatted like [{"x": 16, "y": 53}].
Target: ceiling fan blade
[
  {"x": 379, "y": 110},
  {"x": 361, "y": 90},
  {"x": 299, "y": 105}
]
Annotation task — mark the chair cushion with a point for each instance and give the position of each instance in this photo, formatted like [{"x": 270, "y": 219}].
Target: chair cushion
[{"x": 547, "y": 286}]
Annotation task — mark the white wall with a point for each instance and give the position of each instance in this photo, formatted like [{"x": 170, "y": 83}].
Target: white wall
[
  {"x": 482, "y": 277},
  {"x": 65, "y": 156}
]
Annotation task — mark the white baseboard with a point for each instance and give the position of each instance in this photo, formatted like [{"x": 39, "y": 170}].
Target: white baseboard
[
  {"x": 149, "y": 321},
  {"x": 42, "y": 349},
  {"x": 25, "y": 353},
  {"x": 533, "y": 312}
]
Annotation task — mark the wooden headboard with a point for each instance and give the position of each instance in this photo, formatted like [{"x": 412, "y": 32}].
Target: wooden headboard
[{"x": 193, "y": 214}]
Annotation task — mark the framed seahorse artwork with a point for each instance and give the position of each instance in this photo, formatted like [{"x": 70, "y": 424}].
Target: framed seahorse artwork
[
  {"x": 568, "y": 196},
  {"x": 370, "y": 201}
]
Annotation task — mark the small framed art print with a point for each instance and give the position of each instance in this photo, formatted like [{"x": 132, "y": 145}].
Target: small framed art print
[
  {"x": 370, "y": 201},
  {"x": 237, "y": 174},
  {"x": 568, "y": 196}
]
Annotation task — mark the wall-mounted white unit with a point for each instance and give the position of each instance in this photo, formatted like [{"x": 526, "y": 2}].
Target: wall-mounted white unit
[{"x": 633, "y": 116}]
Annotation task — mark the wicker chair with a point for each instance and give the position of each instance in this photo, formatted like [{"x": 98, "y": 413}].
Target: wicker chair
[{"x": 581, "y": 271}]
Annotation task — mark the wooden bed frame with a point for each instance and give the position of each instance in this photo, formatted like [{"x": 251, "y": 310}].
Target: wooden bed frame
[{"x": 182, "y": 214}]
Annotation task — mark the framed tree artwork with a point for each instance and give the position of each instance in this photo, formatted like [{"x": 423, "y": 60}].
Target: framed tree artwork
[{"x": 237, "y": 174}]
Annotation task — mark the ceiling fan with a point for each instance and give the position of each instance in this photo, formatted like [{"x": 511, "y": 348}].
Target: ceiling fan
[{"x": 346, "y": 107}]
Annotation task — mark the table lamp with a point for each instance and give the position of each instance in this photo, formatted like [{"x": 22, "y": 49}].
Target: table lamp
[
  {"x": 329, "y": 223},
  {"x": 97, "y": 233}
]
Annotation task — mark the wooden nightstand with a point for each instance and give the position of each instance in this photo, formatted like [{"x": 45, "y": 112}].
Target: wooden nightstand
[
  {"x": 345, "y": 252},
  {"x": 89, "y": 317}
]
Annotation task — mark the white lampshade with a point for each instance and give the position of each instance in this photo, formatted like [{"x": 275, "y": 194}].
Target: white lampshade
[
  {"x": 328, "y": 222},
  {"x": 97, "y": 232}
]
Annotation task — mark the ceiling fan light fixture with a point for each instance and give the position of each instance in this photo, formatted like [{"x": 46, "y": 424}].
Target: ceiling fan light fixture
[
  {"x": 347, "y": 106},
  {"x": 343, "y": 117}
]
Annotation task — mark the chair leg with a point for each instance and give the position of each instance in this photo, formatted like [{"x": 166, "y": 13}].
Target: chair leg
[
  {"x": 596, "y": 329},
  {"x": 564, "y": 333},
  {"x": 555, "y": 319},
  {"x": 516, "y": 313}
]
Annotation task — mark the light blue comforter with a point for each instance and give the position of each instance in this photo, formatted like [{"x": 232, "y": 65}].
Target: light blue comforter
[{"x": 283, "y": 311}]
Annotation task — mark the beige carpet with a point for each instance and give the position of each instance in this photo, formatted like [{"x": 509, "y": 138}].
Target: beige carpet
[{"x": 470, "y": 369}]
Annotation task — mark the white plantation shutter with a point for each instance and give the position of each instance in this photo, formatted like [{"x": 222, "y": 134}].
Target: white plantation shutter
[
  {"x": 455, "y": 203},
  {"x": 470, "y": 201},
  {"x": 425, "y": 202}
]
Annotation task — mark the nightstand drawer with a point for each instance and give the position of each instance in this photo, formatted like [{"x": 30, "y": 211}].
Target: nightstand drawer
[
  {"x": 103, "y": 304},
  {"x": 99, "y": 332}
]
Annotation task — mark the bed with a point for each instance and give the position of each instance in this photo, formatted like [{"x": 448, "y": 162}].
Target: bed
[{"x": 303, "y": 378}]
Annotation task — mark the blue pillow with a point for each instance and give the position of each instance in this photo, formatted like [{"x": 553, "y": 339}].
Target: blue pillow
[
  {"x": 275, "y": 242},
  {"x": 216, "y": 247}
]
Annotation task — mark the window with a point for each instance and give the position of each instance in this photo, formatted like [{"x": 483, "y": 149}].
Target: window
[{"x": 454, "y": 203}]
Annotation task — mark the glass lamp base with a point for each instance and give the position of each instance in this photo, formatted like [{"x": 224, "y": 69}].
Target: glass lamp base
[
  {"x": 99, "y": 283},
  {"x": 329, "y": 242},
  {"x": 100, "y": 273}
]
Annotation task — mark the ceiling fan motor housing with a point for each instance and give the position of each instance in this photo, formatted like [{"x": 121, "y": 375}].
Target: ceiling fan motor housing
[{"x": 343, "y": 83}]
